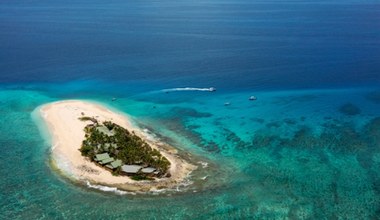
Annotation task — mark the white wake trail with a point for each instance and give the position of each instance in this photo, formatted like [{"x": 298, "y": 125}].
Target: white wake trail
[{"x": 211, "y": 89}]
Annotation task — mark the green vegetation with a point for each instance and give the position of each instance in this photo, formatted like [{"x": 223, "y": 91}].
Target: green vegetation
[
  {"x": 141, "y": 177},
  {"x": 121, "y": 144},
  {"x": 86, "y": 118}
]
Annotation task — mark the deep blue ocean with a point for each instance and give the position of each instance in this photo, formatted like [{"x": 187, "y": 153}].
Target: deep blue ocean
[{"x": 307, "y": 148}]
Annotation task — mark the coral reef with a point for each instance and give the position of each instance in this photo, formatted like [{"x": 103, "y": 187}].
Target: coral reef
[
  {"x": 349, "y": 109},
  {"x": 374, "y": 97}
]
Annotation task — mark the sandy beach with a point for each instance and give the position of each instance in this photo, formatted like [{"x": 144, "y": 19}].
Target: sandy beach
[{"x": 67, "y": 135}]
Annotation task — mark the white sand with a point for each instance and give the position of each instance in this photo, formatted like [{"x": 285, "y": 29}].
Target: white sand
[{"x": 67, "y": 136}]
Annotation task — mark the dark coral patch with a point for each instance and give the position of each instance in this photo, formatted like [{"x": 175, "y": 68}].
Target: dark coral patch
[
  {"x": 274, "y": 124},
  {"x": 374, "y": 97},
  {"x": 337, "y": 136},
  {"x": 290, "y": 121},
  {"x": 258, "y": 120},
  {"x": 189, "y": 112},
  {"x": 372, "y": 131},
  {"x": 349, "y": 109}
]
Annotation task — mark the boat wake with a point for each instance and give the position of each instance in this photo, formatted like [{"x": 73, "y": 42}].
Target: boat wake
[{"x": 211, "y": 89}]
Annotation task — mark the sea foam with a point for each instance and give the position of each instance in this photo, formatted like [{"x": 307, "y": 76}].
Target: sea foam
[{"x": 108, "y": 189}]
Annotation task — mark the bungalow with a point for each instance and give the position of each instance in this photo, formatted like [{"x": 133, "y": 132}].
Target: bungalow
[
  {"x": 105, "y": 130},
  {"x": 115, "y": 164},
  {"x": 103, "y": 158},
  {"x": 100, "y": 157},
  {"x": 107, "y": 160},
  {"x": 131, "y": 169},
  {"x": 148, "y": 170}
]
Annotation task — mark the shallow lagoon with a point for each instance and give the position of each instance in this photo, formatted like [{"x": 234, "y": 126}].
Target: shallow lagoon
[{"x": 302, "y": 159}]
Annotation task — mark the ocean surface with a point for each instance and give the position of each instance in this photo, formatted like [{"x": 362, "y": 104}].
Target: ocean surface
[{"x": 307, "y": 148}]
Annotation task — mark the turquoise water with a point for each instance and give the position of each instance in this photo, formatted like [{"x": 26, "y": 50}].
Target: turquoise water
[
  {"x": 307, "y": 148},
  {"x": 289, "y": 154}
]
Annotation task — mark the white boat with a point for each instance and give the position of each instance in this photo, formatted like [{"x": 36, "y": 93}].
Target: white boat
[
  {"x": 212, "y": 89},
  {"x": 227, "y": 103},
  {"x": 252, "y": 98}
]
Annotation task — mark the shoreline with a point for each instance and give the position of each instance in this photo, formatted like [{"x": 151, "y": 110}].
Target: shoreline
[{"x": 66, "y": 134}]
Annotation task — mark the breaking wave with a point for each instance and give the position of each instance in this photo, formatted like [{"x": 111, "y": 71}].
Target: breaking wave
[
  {"x": 203, "y": 164},
  {"x": 108, "y": 189}
]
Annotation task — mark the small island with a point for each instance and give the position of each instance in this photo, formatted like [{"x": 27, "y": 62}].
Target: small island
[
  {"x": 92, "y": 144},
  {"x": 122, "y": 152}
]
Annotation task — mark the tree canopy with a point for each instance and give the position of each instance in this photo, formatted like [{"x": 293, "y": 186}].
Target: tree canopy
[{"x": 123, "y": 145}]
